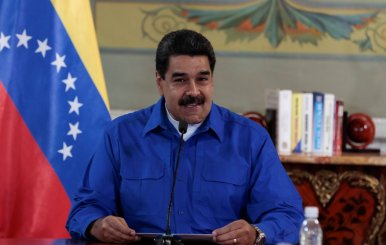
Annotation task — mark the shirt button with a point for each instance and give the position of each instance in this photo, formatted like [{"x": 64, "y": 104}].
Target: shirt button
[{"x": 180, "y": 212}]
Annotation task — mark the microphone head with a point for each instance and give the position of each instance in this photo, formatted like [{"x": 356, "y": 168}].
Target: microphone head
[{"x": 182, "y": 127}]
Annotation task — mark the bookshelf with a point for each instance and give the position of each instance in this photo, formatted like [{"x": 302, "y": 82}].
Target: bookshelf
[
  {"x": 359, "y": 159},
  {"x": 349, "y": 190}
]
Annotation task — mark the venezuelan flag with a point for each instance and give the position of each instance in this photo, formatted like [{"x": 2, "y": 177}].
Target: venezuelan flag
[{"x": 53, "y": 107}]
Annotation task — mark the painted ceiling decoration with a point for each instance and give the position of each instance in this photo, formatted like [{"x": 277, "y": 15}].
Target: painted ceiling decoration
[{"x": 281, "y": 21}]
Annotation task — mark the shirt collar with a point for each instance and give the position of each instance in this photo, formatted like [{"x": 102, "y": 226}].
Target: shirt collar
[
  {"x": 191, "y": 127},
  {"x": 157, "y": 117},
  {"x": 214, "y": 122}
]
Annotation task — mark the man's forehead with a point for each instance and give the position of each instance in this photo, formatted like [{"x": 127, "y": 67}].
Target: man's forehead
[
  {"x": 180, "y": 65},
  {"x": 188, "y": 58}
]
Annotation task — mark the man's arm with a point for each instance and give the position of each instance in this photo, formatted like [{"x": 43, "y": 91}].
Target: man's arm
[
  {"x": 112, "y": 229},
  {"x": 274, "y": 204},
  {"x": 237, "y": 232},
  {"x": 97, "y": 196}
]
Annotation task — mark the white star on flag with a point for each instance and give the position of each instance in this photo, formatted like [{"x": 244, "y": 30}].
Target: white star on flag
[
  {"x": 4, "y": 41},
  {"x": 59, "y": 62},
  {"x": 23, "y": 39},
  {"x": 43, "y": 47},
  {"x": 66, "y": 151},
  {"x": 70, "y": 82},
  {"x": 74, "y": 130},
  {"x": 75, "y": 105}
]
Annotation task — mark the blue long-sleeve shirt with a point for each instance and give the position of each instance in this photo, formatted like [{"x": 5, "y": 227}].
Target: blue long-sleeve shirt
[{"x": 229, "y": 169}]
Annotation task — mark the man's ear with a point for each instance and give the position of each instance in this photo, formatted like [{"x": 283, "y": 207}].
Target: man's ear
[{"x": 158, "y": 80}]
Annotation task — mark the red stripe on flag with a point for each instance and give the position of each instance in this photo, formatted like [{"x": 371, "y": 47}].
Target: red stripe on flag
[{"x": 33, "y": 202}]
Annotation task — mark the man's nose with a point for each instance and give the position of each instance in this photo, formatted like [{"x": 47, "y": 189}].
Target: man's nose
[{"x": 192, "y": 88}]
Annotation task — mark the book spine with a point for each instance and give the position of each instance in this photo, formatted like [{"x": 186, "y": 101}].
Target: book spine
[
  {"x": 338, "y": 133},
  {"x": 318, "y": 123},
  {"x": 271, "y": 117},
  {"x": 296, "y": 129},
  {"x": 328, "y": 124},
  {"x": 306, "y": 145},
  {"x": 284, "y": 122},
  {"x": 271, "y": 104}
]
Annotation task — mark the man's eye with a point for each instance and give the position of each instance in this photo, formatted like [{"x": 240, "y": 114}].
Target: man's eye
[
  {"x": 203, "y": 79},
  {"x": 179, "y": 80}
]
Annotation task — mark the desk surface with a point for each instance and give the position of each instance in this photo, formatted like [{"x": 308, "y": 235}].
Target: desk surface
[
  {"x": 27, "y": 241},
  {"x": 24, "y": 241}
]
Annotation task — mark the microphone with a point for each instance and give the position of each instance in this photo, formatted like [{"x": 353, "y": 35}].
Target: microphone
[
  {"x": 167, "y": 238},
  {"x": 182, "y": 127}
]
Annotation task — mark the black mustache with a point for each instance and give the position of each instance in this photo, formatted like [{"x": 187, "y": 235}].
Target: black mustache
[{"x": 188, "y": 100}]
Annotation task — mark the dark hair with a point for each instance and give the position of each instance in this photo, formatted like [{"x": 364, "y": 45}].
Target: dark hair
[{"x": 182, "y": 42}]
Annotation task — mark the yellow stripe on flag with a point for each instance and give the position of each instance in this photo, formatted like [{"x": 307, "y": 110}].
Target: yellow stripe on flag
[{"x": 77, "y": 19}]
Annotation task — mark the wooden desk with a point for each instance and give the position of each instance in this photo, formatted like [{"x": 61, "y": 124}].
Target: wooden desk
[
  {"x": 349, "y": 191},
  {"x": 25, "y": 241}
]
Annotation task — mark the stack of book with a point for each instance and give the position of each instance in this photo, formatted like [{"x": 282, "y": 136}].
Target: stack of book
[{"x": 308, "y": 122}]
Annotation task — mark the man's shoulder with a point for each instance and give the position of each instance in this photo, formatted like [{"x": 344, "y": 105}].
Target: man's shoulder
[
  {"x": 234, "y": 119},
  {"x": 134, "y": 118}
]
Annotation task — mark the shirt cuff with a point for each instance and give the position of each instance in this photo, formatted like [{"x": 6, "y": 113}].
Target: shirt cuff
[{"x": 266, "y": 228}]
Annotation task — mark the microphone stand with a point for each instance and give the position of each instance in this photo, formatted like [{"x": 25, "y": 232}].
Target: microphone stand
[{"x": 168, "y": 238}]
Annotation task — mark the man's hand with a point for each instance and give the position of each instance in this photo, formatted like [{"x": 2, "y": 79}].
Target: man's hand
[
  {"x": 113, "y": 229},
  {"x": 238, "y": 232}
]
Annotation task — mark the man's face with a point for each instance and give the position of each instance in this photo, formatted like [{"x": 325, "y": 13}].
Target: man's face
[{"x": 187, "y": 88}]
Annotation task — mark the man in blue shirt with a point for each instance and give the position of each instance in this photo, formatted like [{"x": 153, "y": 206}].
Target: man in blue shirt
[{"x": 230, "y": 182}]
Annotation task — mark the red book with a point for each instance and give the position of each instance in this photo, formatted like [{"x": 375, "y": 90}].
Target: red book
[{"x": 338, "y": 127}]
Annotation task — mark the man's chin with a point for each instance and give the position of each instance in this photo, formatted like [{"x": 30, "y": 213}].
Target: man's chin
[
  {"x": 193, "y": 114},
  {"x": 193, "y": 119}
]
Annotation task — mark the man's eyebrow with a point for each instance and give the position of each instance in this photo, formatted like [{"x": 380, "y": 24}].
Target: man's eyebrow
[
  {"x": 204, "y": 72},
  {"x": 178, "y": 74},
  {"x": 181, "y": 74}
]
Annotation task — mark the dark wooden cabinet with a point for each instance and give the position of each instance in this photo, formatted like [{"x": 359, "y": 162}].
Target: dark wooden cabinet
[{"x": 349, "y": 191}]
